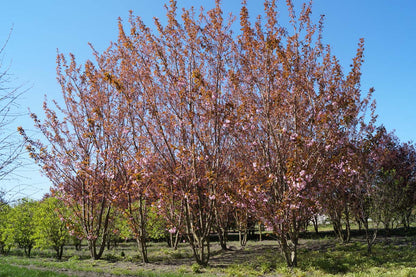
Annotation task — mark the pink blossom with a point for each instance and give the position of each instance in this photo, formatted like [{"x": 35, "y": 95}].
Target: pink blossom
[
  {"x": 214, "y": 96},
  {"x": 91, "y": 237},
  {"x": 182, "y": 83},
  {"x": 293, "y": 136}
]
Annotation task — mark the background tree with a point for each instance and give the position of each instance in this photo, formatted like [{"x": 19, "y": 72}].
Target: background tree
[
  {"x": 396, "y": 178},
  {"x": 20, "y": 228},
  {"x": 393, "y": 166},
  {"x": 406, "y": 173},
  {"x": 4, "y": 218},
  {"x": 51, "y": 230}
]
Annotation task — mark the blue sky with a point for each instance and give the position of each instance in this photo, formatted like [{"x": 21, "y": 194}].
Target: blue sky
[{"x": 41, "y": 27}]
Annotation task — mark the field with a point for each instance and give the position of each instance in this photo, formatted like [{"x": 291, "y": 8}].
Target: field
[{"x": 323, "y": 255}]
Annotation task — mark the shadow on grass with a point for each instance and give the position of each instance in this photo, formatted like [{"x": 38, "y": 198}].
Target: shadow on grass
[{"x": 353, "y": 257}]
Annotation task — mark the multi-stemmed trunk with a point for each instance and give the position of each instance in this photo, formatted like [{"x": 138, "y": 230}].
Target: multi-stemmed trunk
[
  {"x": 369, "y": 237},
  {"x": 141, "y": 243},
  {"x": 222, "y": 237},
  {"x": 290, "y": 248},
  {"x": 344, "y": 235},
  {"x": 137, "y": 221},
  {"x": 97, "y": 242},
  {"x": 201, "y": 250},
  {"x": 28, "y": 249},
  {"x": 59, "y": 251},
  {"x": 241, "y": 218},
  {"x": 242, "y": 237},
  {"x": 221, "y": 226},
  {"x": 173, "y": 240},
  {"x": 198, "y": 237}
]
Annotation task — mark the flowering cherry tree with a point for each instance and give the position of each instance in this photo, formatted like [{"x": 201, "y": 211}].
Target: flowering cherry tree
[
  {"x": 202, "y": 124},
  {"x": 296, "y": 108},
  {"x": 80, "y": 155},
  {"x": 182, "y": 78}
]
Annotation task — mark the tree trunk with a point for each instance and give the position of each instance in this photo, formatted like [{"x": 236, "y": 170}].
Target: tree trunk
[
  {"x": 370, "y": 239},
  {"x": 169, "y": 240},
  {"x": 92, "y": 248},
  {"x": 59, "y": 249},
  {"x": 101, "y": 232},
  {"x": 201, "y": 251},
  {"x": 141, "y": 243},
  {"x": 28, "y": 249},
  {"x": 173, "y": 240},
  {"x": 347, "y": 225},
  {"x": 406, "y": 219},
  {"x": 360, "y": 224},
  {"x": 242, "y": 238},
  {"x": 260, "y": 231},
  {"x": 290, "y": 251},
  {"x": 343, "y": 235},
  {"x": 59, "y": 252},
  {"x": 222, "y": 237},
  {"x": 315, "y": 223}
]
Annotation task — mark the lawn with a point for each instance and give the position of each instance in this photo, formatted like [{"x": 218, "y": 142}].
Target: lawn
[
  {"x": 323, "y": 255},
  {"x": 7, "y": 270}
]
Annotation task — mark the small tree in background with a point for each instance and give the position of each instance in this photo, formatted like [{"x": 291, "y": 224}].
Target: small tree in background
[
  {"x": 157, "y": 225},
  {"x": 51, "y": 230},
  {"x": 21, "y": 226},
  {"x": 4, "y": 218}
]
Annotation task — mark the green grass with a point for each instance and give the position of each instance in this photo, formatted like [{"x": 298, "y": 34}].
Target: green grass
[
  {"x": 86, "y": 265},
  {"x": 394, "y": 255},
  {"x": 7, "y": 270},
  {"x": 352, "y": 260}
]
